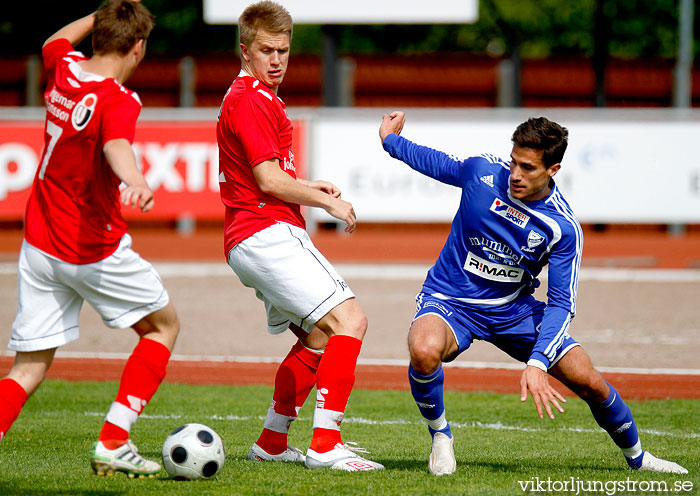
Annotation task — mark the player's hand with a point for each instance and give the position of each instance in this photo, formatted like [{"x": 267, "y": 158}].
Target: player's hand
[
  {"x": 391, "y": 123},
  {"x": 138, "y": 197},
  {"x": 326, "y": 187},
  {"x": 536, "y": 382},
  {"x": 340, "y": 209}
]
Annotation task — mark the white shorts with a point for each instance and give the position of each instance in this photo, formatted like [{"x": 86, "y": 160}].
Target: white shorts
[
  {"x": 123, "y": 288},
  {"x": 296, "y": 283}
]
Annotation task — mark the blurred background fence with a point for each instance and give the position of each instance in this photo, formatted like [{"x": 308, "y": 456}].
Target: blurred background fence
[
  {"x": 420, "y": 80},
  {"x": 619, "y": 74}
]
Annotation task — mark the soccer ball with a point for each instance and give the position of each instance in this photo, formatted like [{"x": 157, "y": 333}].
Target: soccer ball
[{"x": 193, "y": 451}]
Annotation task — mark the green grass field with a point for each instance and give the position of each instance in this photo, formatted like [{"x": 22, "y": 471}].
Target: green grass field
[{"x": 499, "y": 442}]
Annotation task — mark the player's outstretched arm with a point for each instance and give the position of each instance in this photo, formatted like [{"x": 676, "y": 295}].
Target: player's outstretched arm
[
  {"x": 391, "y": 124},
  {"x": 75, "y": 32},
  {"x": 536, "y": 382},
  {"x": 121, "y": 159},
  {"x": 274, "y": 181}
]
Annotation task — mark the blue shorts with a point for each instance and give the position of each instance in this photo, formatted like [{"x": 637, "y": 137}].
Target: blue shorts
[{"x": 513, "y": 330}]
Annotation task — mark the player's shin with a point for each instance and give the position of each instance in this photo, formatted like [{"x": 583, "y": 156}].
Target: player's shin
[
  {"x": 615, "y": 417},
  {"x": 295, "y": 378},
  {"x": 427, "y": 391},
  {"x": 12, "y": 399},
  {"x": 142, "y": 375},
  {"x": 336, "y": 376}
]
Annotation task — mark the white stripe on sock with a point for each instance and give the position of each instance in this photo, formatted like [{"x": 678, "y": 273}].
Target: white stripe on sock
[
  {"x": 424, "y": 381},
  {"x": 439, "y": 423},
  {"x": 327, "y": 419},
  {"x": 121, "y": 416},
  {"x": 634, "y": 451},
  {"x": 277, "y": 422}
]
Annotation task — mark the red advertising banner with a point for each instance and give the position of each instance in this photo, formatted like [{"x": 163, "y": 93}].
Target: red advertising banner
[{"x": 179, "y": 159}]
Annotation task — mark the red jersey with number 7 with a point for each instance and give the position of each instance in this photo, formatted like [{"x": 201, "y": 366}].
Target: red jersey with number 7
[
  {"x": 253, "y": 127},
  {"x": 73, "y": 212}
]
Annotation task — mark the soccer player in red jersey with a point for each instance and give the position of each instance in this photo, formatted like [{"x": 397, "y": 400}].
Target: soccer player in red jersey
[
  {"x": 76, "y": 247},
  {"x": 268, "y": 248}
]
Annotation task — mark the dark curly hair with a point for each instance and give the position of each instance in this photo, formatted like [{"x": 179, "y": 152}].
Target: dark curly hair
[{"x": 539, "y": 133}]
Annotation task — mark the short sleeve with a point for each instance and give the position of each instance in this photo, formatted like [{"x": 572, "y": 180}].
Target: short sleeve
[
  {"x": 119, "y": 118},
  {"x": 255, "y": 125},
  {"x": 53, "y": 52}
]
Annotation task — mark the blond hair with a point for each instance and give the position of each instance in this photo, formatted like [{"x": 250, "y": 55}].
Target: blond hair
[{"x": 265, "y": 15}]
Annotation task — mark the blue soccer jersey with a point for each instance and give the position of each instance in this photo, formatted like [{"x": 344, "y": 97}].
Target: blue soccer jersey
[{"x": 499, "y": 245}]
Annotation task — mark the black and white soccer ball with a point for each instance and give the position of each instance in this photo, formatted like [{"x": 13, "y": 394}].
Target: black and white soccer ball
[{"x": 193, "y": 451}]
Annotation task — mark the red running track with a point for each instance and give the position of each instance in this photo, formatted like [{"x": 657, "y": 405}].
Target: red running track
[{"x": 630, "y": 386}]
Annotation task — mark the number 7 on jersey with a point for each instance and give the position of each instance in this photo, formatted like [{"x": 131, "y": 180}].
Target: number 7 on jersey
[{"x": 55, "y": 132}]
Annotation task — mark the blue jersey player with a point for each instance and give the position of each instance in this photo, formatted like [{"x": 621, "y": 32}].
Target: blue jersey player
[{"x": 512, "y": 221}]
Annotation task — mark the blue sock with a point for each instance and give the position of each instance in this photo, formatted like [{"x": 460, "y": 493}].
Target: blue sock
[
  {"x": 427, "y": 391},
  {"x": 615, "y": 417}
]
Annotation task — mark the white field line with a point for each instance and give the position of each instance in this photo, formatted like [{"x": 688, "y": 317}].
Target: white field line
[
  {"x": 405, "y": 272},
  {"x": 414, "y": 272},
  {"x": 499, "y": 426},
  {"x": 395, "y": 362}
]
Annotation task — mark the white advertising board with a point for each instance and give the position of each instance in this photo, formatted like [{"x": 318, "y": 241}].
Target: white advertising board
[
  {"x": 613, "y": 172},
  {"x": 355, "y": 12}
]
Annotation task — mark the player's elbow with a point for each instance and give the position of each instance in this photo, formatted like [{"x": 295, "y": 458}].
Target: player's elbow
[
  {"x": 270, "y": 178},
  {"x": 269, "y": 185}
]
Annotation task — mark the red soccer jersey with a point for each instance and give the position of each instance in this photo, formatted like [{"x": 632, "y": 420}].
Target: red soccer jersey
[
  {"x": 73, "y": 212},
  {"x": 253, "y": 127}
]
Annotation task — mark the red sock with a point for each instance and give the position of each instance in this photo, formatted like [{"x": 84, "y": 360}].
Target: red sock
[
  {"x": 12, "y": 399},
  {"x": 295, "y": 378},
  {"x": 336, "y": 376},
  {"x": 143, "y": 373}
]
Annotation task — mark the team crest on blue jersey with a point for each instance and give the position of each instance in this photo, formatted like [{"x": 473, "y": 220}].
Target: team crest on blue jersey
[
  {"x": 534, "y": 239},
  {"x": 510, "y": 213},
  {"x": 82, "y": 113}
]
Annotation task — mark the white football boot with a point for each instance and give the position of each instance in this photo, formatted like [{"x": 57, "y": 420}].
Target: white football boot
[
  {"x": 291, "y": 454},
  {"x": 125, "y": 459},
  {"x": 653, "y": 464},
  {"x": 442, "y": 455},
  {"x": 342, "y": 457}
]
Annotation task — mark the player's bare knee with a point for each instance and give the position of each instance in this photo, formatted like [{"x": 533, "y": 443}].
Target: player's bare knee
[
  {"x": 30, "y": 378},
  {"x": 169, "y": 331},
  {"x": 592, "y": 388},
  {"x": 316, "y": 339},
  {"x": 357, "y": 326},
  {"x": 425, "y": 357}
]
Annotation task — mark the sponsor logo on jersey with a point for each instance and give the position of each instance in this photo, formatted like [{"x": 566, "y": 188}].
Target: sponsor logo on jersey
[
  {"x": 487, "y": 180},
  {"x": 82, "y": 113},
  {"x": 496, "y": 250},
  {"x": 510, "y": 213},
  {"x": 56, "y": 103},
  {"x": 59, "y": 99},
  {"x": 492, "y": 271},
  {"x": 288, "y": 163},
  {"x": 534, "y": 239}
]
